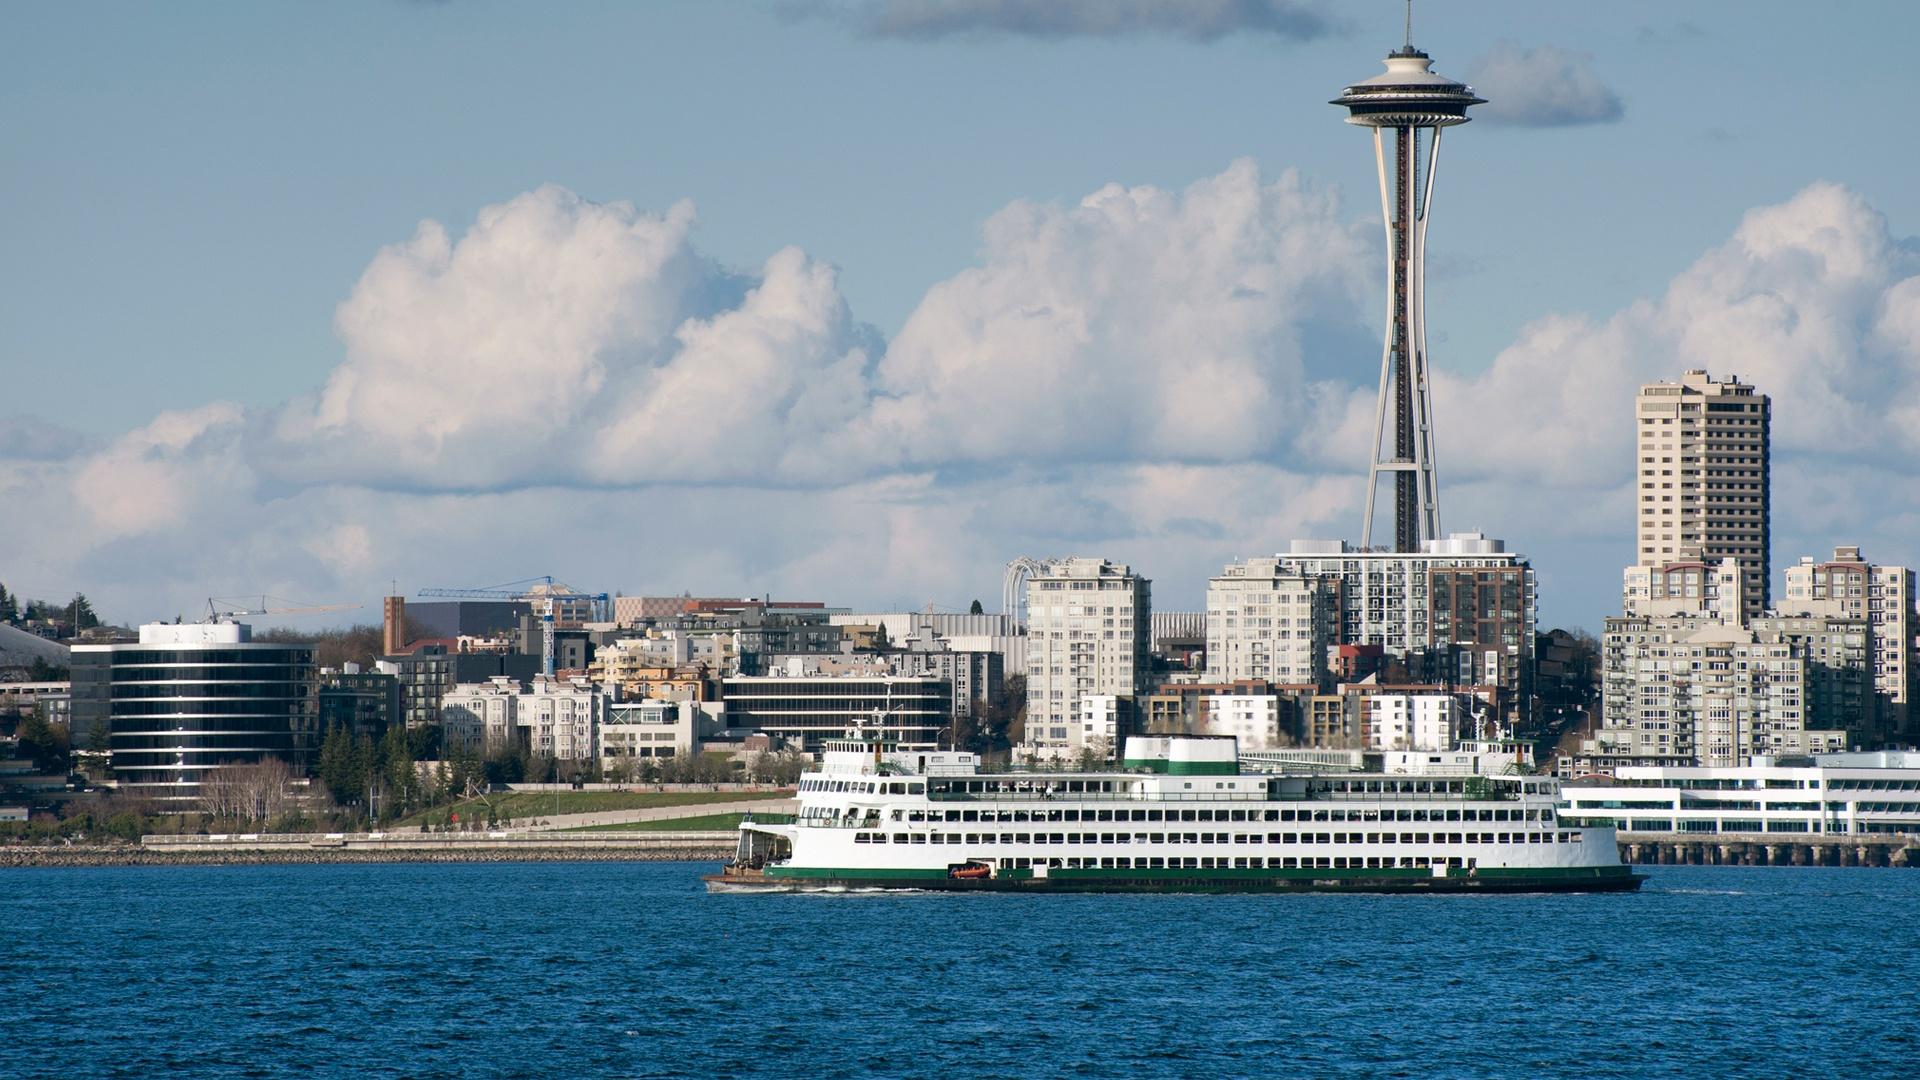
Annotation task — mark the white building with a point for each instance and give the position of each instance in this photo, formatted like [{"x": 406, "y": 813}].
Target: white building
[
  {"x": 1088, "y": 627},
  {"x": 1689, "y": 586},
  {"x": 1411, "y": 721},
  {"x": 1265, "y": 621},
  {"x": 558, "y": 718},
  {"x": 1462, "y": 606},
  {"x": 1703, "y": 449},
  {"x": 1849, "y": 587},
  {"x": 1835, "y": 793},
  {"x": 1104, "y": 724},
  {"x": 1257, "y": 721},
  {"x": 634, "y": 730},
  {"x": 481, "y": 716},
  {"x": 1691, "y": 690}
]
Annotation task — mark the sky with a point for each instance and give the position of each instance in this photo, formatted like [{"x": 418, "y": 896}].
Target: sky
[{"x": 856, "y": 300}]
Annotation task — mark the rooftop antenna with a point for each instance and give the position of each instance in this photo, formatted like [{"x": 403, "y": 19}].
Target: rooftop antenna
[{"x": 1409, "y": 24}]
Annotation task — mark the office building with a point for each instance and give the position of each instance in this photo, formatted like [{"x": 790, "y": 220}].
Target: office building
[
  {"x": 189, "y": 700},
  {"x": 803, "y": 711}
]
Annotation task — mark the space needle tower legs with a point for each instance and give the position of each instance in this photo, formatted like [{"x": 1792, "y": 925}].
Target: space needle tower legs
[{"x": 1414, "y": 103}]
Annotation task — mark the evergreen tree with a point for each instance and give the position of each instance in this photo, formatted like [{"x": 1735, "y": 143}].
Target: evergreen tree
[
  {"x": 336, "y": 765},
  {"x": 9, "y": 606},
  {"x": 976, "y": 609},
  {"x": 403, "y": 780},
  {"x": 80, "y": 613}
]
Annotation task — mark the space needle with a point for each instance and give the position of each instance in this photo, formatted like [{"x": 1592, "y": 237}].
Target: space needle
[{"x": 1414, "y": 102}]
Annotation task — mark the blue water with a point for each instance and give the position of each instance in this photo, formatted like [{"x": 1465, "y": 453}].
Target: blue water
[{"x": 629, "y": 969}]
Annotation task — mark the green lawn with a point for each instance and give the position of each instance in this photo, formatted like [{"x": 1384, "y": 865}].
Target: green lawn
[
  {"x": 524, "y": 805},
  {"x": 703, "y": 823}
]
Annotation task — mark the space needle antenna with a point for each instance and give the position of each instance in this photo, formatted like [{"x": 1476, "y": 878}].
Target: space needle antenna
[{"x": 1407, "y": 107}]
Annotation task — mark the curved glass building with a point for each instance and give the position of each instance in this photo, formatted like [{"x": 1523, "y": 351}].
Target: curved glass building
[{"x": 189, "y": 699}]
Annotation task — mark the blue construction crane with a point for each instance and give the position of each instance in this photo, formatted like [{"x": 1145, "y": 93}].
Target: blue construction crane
[{"x": 537, "y": 591}]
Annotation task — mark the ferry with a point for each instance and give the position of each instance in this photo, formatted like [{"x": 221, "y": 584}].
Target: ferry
[{"x": 1180, "y": 815}]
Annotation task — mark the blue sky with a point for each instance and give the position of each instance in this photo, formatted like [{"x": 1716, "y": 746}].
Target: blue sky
[{"x": 191, "y": 194}]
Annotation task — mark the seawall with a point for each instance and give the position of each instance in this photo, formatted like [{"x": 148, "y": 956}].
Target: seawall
[
  {"x": 265, "y": 849},
  {"x": 1767, "y": 849}
]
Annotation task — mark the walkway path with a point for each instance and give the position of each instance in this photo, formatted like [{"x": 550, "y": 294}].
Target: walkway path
[{"x": 550, "y": 822}]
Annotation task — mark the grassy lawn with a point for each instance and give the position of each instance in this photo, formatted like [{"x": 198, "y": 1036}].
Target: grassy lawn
[
  {"x": 703, "y": 823},
  {"x": 523, "y": 805}
]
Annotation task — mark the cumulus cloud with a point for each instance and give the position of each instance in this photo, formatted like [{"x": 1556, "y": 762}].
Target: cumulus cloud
[
  {"x": 560, "y": 340},
  {"x": 1544, "y": 86},
  {"x": 573, "y": 388},
  {"x": 1139, "y": 324},
  {"x": 1197, "y": 20}
]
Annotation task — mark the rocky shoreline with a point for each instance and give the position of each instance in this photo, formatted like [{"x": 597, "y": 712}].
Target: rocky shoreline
[{"x": 28, "y": 856}]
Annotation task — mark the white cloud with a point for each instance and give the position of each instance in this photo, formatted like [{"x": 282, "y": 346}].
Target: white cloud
[
  {"x": 1544, "y": 86},
  {"x": 1197, "y": 20},
  {"x": 574, "y": 389},
  {"x": 1140, "y": 324}
]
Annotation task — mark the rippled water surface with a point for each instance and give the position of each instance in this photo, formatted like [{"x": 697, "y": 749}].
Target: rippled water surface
[{"x": 629, "y": 969}]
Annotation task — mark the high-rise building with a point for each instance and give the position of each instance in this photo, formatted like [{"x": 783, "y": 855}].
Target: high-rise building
[
  {"x": 1088, "y": 632},
  {"x": 189, "y": 700},
  {"x": 1459, "y": 612},
  {"x": 1848, "y": 586},
  {"x": 1265, "y": 621},
  {"x": 1689, "y": 689},
  {"x": 1703, "y": 446},
  {"x": 1415, "y": 103}
]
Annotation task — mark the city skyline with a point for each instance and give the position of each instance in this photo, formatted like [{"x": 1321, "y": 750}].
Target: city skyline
[{"x": 1162, "y": 359}]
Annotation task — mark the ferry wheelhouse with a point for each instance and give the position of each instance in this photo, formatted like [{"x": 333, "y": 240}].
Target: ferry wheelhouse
[{"x": 1180, "y": 815}]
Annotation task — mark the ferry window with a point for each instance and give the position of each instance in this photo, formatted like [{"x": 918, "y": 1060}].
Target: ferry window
[
  {"x": 1286, "y": 815},
  {"x": 1155, "y": 815},
  {"x": 1073, "y": 815},
  {"x": 1271, "y": 815},
  {"x": 953, "y": 815},
  {"x": 1024, "y": 838},
  {"x": 1157, "y": 838},
  {"x": 1138, "y": 815},
  {"x": 916, "y": 789},
  {"x": 896, "y": 815},
  {"x": 919, "y": 838},
  {"x": 899, "y": 838}
]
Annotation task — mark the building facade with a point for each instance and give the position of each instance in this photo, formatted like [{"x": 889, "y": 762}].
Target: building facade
[
  {"x": 1883, "y": 597},
  {"x": 1460, "y": 612},
  {"x": 1267, "y": 622},
  {"x": 1410, "y": 722},
  {"x": 1685, "y": 690},
  {"x": 1845, "y": 794},
  {"x": 188, "y": 700},
  {"x": 1704, "y": 453},
  {"x": 1088, "y": 632},
  {"x": 806, "y": 710}
]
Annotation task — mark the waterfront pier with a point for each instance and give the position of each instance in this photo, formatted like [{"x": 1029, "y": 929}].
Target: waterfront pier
[{"x": 1767, "y": 849}]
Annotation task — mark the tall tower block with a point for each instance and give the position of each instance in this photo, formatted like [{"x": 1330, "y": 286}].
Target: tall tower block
[{"x": 1414, "y": 103}]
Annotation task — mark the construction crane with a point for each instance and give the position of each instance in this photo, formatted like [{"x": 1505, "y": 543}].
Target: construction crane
[
  {"x": 228, "y": 607},
  {"x": 537, "y": 591}
]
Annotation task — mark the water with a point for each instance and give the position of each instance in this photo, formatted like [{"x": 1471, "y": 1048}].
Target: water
[{"x": 629, "y": 969}]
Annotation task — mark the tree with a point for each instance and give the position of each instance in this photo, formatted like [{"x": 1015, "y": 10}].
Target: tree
[
  {"x": 48, "y": 746},
  {"x": 976, "y": 609},
  {"x": 9, "y": 606},
  {"x": 80, "y": 613}
]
